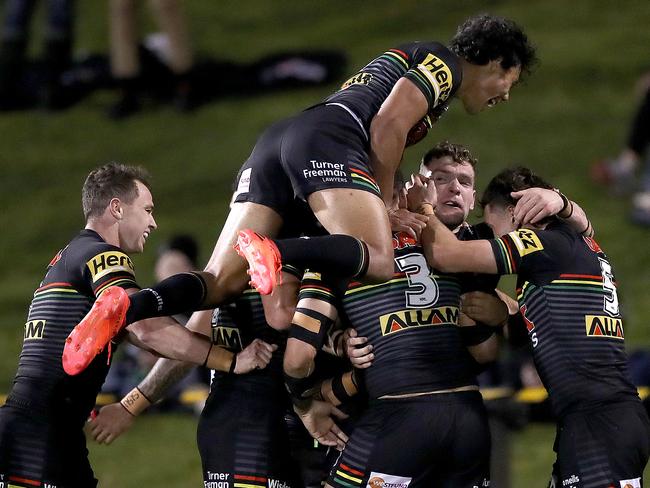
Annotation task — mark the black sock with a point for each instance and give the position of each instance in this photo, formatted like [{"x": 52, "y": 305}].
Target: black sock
[
  {"x": 341, "y": 255},
  {"x": 177, "y": 294}
]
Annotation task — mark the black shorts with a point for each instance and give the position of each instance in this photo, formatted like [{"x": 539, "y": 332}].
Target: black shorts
[
  {"x": 243, "y": 440},
  {"x": 320, "y": 148},
  {"x": 434, "y": 440},
  {"x": 602, "y": 448},
  {"x": 36, "y": 451}
]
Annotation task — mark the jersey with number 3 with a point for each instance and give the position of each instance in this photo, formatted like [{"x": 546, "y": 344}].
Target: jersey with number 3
[
  {"x": 567, "y": 296},
  {"x": 412, "y": 323}
]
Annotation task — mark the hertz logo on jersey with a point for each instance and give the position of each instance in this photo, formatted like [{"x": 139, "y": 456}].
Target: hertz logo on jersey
[
  {"x": 360, "y": 78},
  {"x": 34, "y": 329},
  {"x": 526, "y": 241},
  {"x": 438, "y": 74},
  {"x": 603, "y": 326},
  {"x": 109, "y": 262},
  {"x": 227, "y": 337},
  {"x": 427, "y": 317}
]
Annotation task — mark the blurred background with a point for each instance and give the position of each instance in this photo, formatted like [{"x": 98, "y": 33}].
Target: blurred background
[{"x": 191, "y": 119}]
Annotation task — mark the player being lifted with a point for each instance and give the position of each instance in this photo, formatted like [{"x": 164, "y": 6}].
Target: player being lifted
[{"x": 335, "y": 162}]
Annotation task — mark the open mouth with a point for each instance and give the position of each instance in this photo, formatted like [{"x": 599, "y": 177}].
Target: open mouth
[
  {"x": 492, "y": 102},
  {"x": 452, "y": 204}
]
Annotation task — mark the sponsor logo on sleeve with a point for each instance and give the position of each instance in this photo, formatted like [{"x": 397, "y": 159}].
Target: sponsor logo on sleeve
[
  {"x": 109, "y": 262},
  {"x": 244, "y": 184},
  {"x": 358, "y": 79},
  {"x": 604, "y": 326},
  {"x": 439, "y": 76},
  {"x": 382, "y": 480},
  {"x": 34, "y": 329},
  {"x": 526, "y": 241}
]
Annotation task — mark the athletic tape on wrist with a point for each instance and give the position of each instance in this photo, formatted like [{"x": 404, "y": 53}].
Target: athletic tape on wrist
[
  {"x": 299, "y": 388},
  {"x": 475, "y": 334},
  {"x": 135, "y": 402}
]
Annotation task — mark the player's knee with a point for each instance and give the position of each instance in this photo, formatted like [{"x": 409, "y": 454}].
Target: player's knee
[
  {"x": 380, "y": 267},
  {"x": 222, "y": 286},
  {"x": 298, "y": 358}
]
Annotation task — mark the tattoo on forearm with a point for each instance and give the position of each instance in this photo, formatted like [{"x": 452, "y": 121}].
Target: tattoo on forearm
[{"x": 164, "y": 374}]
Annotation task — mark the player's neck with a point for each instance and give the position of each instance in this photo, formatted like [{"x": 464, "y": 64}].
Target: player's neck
[{"x": 107, "y": 230}]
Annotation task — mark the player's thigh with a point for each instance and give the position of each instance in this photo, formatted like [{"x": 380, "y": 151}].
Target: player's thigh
[
  {"x": 227, "y": 270},
  {"x": 467, "y": 457},
  {"x": 360, "y": 214},
  {"x": 609, "y": 446},
  {"x": 244, "y": 440},
  {"x": 391, "y": 445}
]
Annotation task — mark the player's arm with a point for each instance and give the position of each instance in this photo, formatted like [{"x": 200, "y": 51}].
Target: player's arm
[
  {"x": 446, "y": 253},
  {"x": 535, "y": 204},
  {"x": 339, "y": 389},
  {"x": 114, "y": 419},
  {"x": 403, "y": 108}
]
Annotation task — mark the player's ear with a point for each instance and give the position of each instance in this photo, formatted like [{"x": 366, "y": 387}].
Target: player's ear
[{"x": 115, "y": 208}]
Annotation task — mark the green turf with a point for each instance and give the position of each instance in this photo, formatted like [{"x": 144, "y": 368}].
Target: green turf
[
  {"x": 169, "y": 457},
  {"x": 574, "y": 109}
]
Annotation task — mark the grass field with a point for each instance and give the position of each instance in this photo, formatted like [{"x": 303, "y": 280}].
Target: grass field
[{"x": 574, "y": 109}]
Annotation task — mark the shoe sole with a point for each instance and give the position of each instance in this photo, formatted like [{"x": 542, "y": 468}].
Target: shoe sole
[{"x": 90, "y": 336}]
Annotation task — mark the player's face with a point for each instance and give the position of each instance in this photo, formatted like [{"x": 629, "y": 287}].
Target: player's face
[
  {"x": 490, "y": 86},
  {"x": 137, "y": 221},
  {"x": 499, "y": 218},
  {"x": 455, "y": 187}
]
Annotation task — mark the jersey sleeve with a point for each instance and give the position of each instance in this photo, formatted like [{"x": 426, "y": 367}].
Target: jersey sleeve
[
  {"x": 527, "y": 252},
  {"x": 109, "y": 266},
  {"x": 435, "y": 71}
]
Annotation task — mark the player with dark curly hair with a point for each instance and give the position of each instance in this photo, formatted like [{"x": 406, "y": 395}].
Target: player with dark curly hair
[
  {"x": 336, "y": 162},
  {"x": 569, "y": 307}
]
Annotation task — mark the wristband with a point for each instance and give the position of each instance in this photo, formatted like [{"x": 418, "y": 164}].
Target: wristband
[
  {"x": 219, "y": 358},
  {"x": 475, "y": 334},
  {"x": 233, "y": 364},
  {"x": 135, "y": 402},
  {"x": 566, "y": 203},
  {"x": 588, "y": 231}
]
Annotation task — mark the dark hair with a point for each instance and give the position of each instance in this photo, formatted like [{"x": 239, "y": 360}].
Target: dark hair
[
  {"x": 484, "y": 38},
  {"x": 184, "y": 244},
  {"x": 113, "y": 180},
  {"x": 511, "y": 179},
  {"x": 459, "y": 154}
]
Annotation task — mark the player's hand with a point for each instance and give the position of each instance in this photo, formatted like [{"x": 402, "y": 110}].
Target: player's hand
[
  {"x": 534, "y": 204},
  {"x": 356, "y": 348},
  {"x": 403, "y": 220},
  {"x": 484, "y": 307},
  {"x": 317, "y": 419},
  {"x": 256, "y": 355},
  {"x": 421, "y": 190},
  {"x": 110, "y": 423}
]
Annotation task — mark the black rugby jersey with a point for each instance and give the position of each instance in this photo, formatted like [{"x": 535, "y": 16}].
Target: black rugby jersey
[
  {"x": 433, "y": 68},
  {"x": 235, "y": 326},
  {"x": 75, "y": 277},
  {"x": 412, "y": 323},
  {"x": 567, "y": 296}
]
